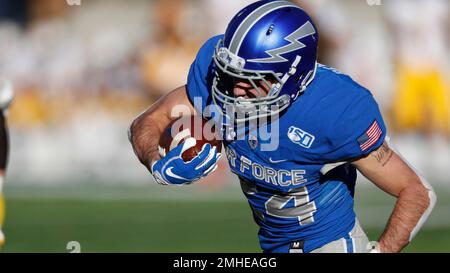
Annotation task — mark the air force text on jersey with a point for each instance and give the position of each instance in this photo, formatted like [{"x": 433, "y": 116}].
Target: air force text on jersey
[{"x": 277, "y": 177}]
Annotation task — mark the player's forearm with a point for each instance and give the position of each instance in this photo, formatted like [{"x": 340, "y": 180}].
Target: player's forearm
[
  {"x": 147, "y": 127},
  {"x": 144, "y": 137},
  {"x": 411, "y": 205}
]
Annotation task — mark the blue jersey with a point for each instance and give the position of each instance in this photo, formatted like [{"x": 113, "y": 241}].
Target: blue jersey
[{"x": 303, "y": 189}]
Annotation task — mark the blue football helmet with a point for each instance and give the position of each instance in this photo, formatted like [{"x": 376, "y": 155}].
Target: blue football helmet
[{"x": 268, "y": 42}]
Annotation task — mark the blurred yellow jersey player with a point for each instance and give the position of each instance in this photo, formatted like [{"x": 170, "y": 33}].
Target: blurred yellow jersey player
[
  {"x": 6, "y": 96},
  {"x": 421, "y": 101}
]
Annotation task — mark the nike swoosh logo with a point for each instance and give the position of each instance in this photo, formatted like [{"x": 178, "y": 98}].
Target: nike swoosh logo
[
  {"x": 277, "y": 161},
  {"x": 171, "y": 174}
]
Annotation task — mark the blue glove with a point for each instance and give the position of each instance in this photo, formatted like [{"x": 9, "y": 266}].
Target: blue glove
[{"x": 173, "y": 170}]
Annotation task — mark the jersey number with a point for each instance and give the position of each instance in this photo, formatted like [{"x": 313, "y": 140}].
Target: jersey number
[{"x": 276, "y": 205}]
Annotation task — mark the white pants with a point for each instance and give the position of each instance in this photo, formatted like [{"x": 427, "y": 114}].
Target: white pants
[{"x": 355, "y": 242}]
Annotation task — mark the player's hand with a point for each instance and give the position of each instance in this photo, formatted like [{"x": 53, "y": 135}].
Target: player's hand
[{"x": 173, "y": 170}]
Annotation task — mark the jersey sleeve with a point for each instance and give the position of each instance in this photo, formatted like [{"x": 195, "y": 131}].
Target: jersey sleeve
[
  {"x": 200, "y": 75},
  {"x": 357, "y": 130}
]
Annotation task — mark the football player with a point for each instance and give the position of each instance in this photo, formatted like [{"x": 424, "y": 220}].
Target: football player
[
  {"x": 327, "y": 128},
  {"x": 6, "y": 96}
]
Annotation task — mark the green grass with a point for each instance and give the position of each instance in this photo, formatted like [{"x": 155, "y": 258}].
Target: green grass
[
  {"x": 46, "y": 225},
  {"x": 129, "y": 226}
]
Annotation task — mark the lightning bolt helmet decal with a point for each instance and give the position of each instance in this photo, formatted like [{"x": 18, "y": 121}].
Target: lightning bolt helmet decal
[{"x": 276, "y": 54}]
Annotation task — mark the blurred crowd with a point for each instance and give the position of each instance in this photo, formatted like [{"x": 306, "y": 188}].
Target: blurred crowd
[{"x": 81, "y": 73}]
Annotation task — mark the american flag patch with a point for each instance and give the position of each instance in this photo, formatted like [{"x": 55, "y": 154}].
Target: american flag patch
[{"x": 370, "y": 137}]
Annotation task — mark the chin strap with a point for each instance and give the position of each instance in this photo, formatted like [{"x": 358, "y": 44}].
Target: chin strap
[{"x": 306, "y": 81}]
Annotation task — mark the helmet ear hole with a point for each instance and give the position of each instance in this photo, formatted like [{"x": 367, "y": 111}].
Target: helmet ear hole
[{"x": 270, "y": 29}]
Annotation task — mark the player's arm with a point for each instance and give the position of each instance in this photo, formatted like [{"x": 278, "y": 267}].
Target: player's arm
[
  {"x": 415, "y": 197},
  {"x": 6, "y": 97},
  {"x": 144, "y": 134},
  {"x": 146, "y": 129},
  {"x": 4, "y": 148},
  {"x": 4, "y": 144}
]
